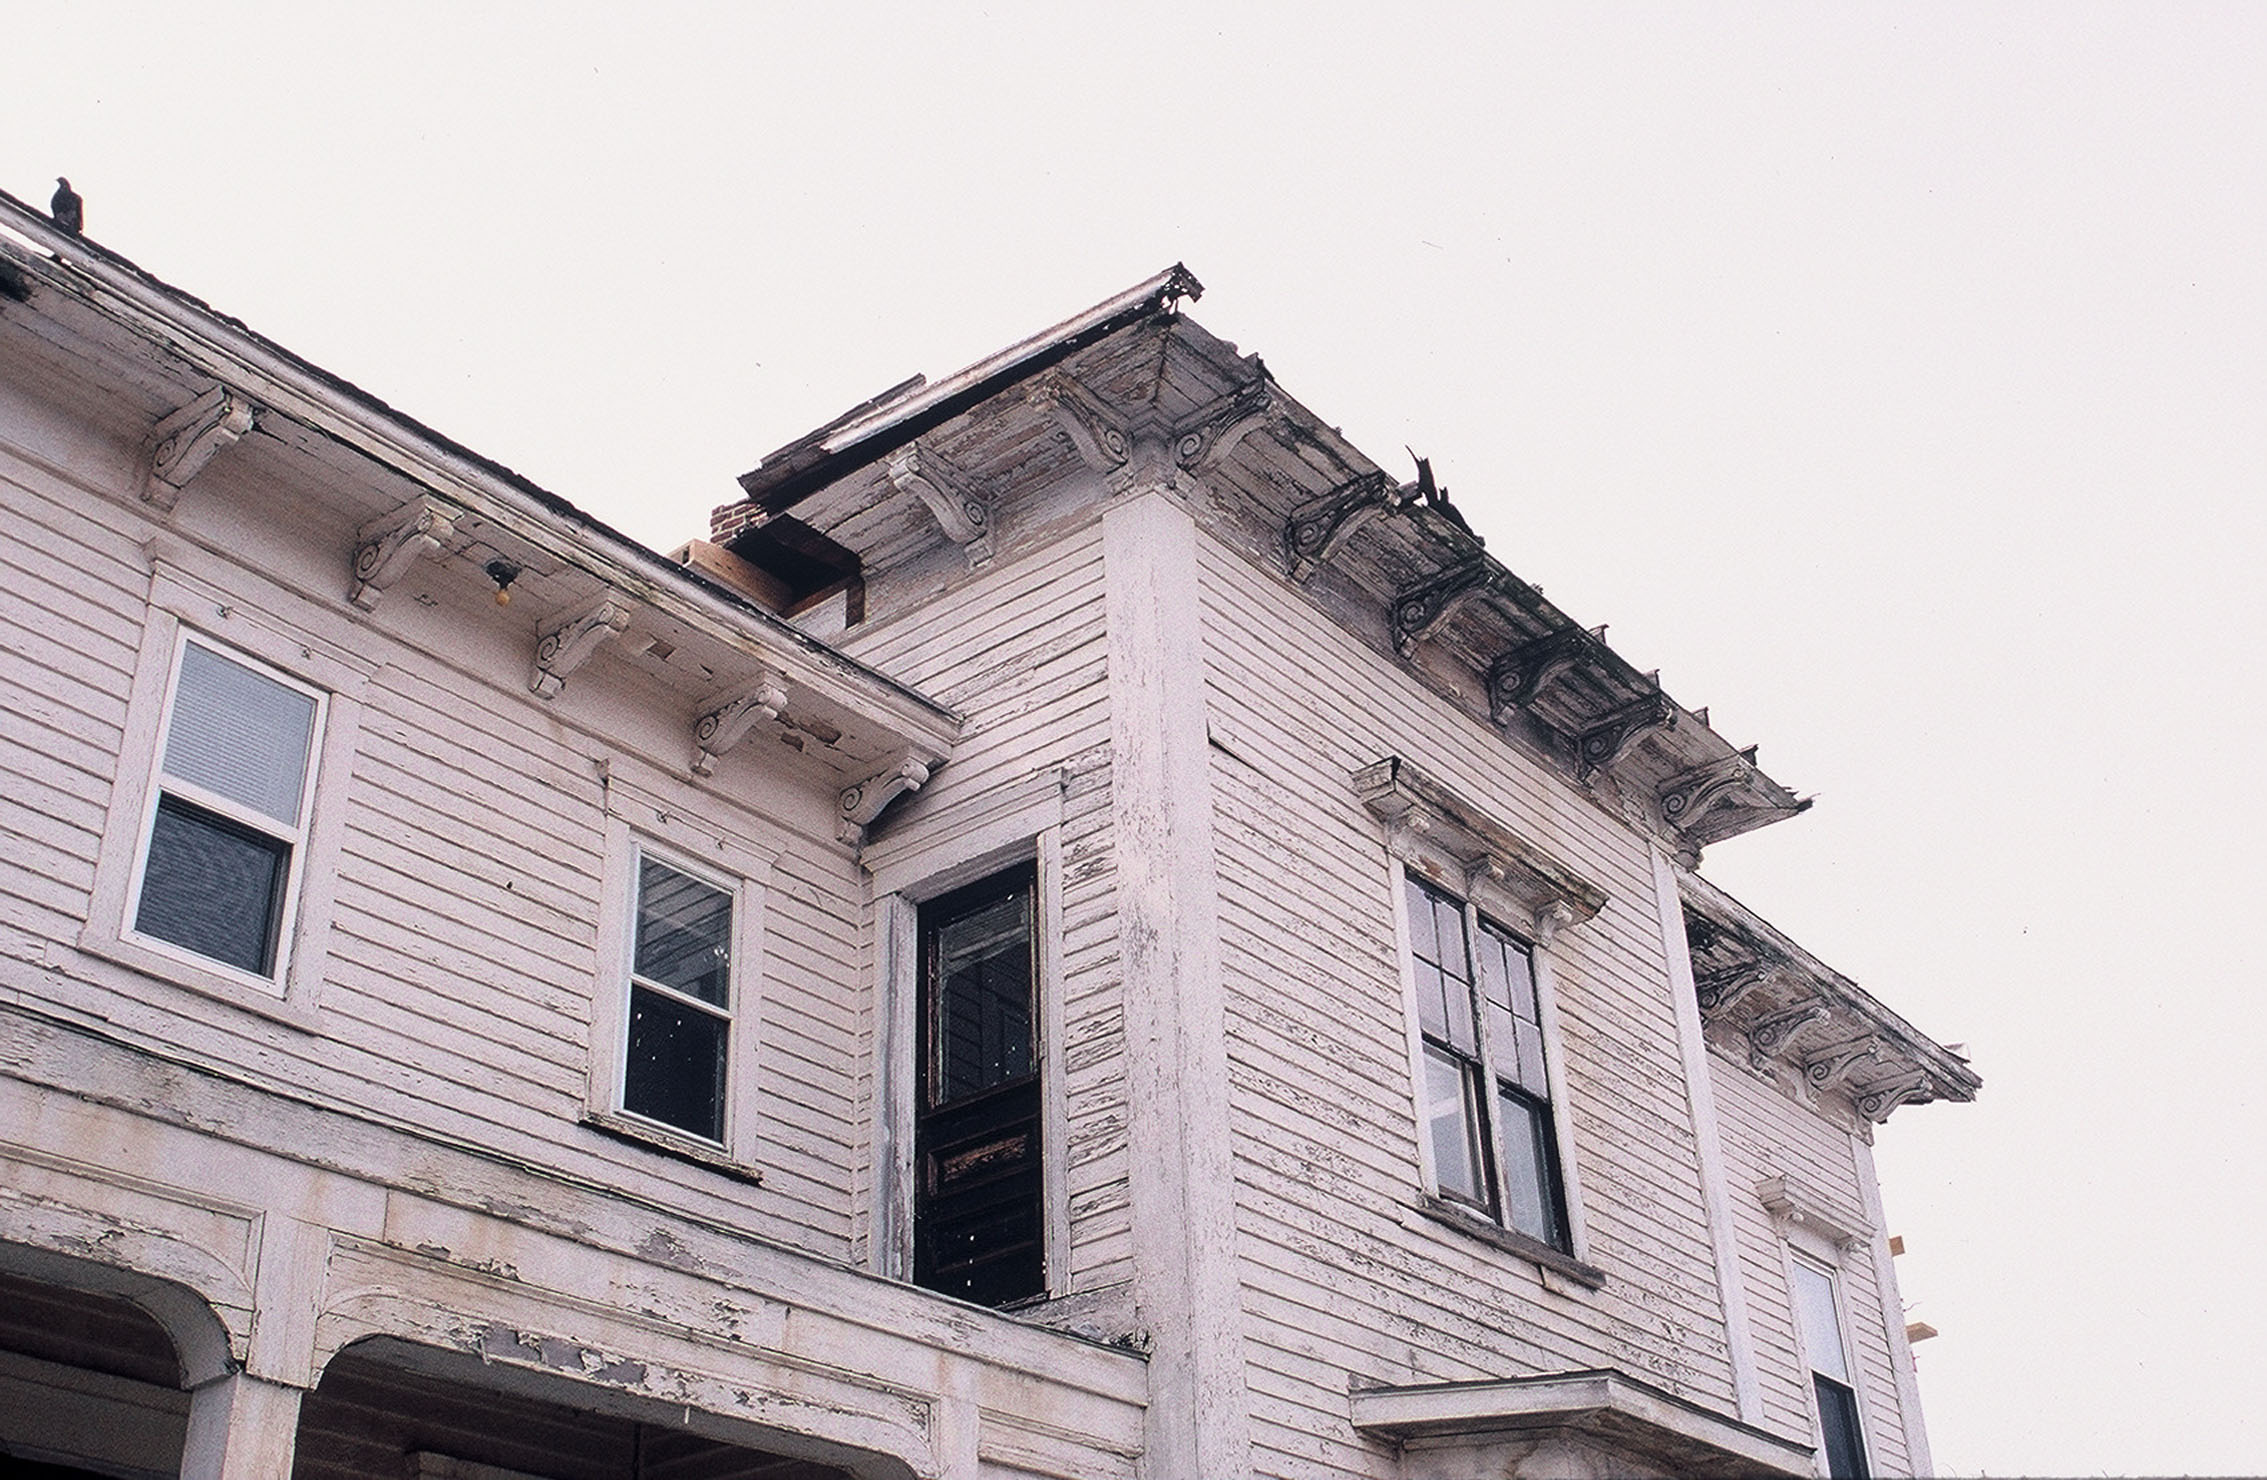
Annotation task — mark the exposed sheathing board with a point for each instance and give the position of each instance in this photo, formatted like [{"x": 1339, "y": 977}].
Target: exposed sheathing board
[
  {"x": 1021, "y": 654},
  {"x": 1342, "y": 1275}
]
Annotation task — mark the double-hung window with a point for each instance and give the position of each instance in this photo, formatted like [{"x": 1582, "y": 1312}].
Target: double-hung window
[
  {"x": 1819, "y": 1313},
  {"x": 224, "y": 843},
  {"x": 1485, "y": 1094},
  {"x": 676, "y": 1058}
]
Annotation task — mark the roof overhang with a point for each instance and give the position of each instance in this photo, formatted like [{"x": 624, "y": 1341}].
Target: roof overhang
[{"x": 1637, "y": 1423}]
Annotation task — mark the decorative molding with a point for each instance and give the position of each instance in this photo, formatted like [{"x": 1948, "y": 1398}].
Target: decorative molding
[
  {"x": 1550, "y": 896},
  {"x": 1606, "y": 741},
  {"x": 1794, "y": 1203},
  {"x": 863, "y": 801},
  {"x": 568, "y": 642},
  {"x": 1876, "y": 1104},
  {"x": 1518, "y": 677},
  {"x": 1772, "y": 1034},
  {"x": 1319, "y": 528},
  {"x": 181, "y": 444},
  {"x": 728, "y": 724},
  {"x": 961, "y": 512},
  {"x": 1829, "y": 1067},
  {"x": 1422, "y": 610},
  {"x": 388, "y": 546},
  {"x": 1718, "y": 994},
  {"x": 1689, "y": 796},
  {"x": 1100, "y": 440},
  {"x": 1206, "y": 436}
]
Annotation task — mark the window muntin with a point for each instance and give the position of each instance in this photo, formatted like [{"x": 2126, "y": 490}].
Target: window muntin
[
  {"x": 225, "y": 841},
  {"x": 675, "y": 1060},
  {"x": 1819, "y": 1315},
  {"x": 1486, "y": 1095}
]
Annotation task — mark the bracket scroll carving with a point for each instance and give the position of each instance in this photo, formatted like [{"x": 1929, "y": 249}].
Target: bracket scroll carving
[
  {"x": 568, "y": 643},
  {"x": 1607, "y": 741},
  {"x": 1769, "y": 1036},
  {"x": 388, "y": 546},
  {"x": 1210, "y": 433},
  {"x": 1099, "y": 439},
  {"x": 1877, "y": 1103},
  {"x": 184, "y": 442},
  {"x": 728, "y": 724},
  {"x": 1319, "y": 528},
  {"x": 1687, "y": 798},
  {"x": 1423, "y": 609},
  {"x": 1719, "y": 994},
  {"x": 1516, "y": 678},
  {"x": 961, "y": 512},
  {"x": 1822, "y": 1071},
  {"x": 863, "y": 801}
]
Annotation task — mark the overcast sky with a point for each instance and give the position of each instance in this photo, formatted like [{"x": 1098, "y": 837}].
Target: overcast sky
[{"x": 1894, "y": 378}]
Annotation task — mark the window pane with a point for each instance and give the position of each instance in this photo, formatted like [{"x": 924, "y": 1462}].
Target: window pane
[
  {"x": 982, "y": 1006},
  {"x": 1424, "y": 937},
  {"x": 1822, "y": 1328},
  {"x": 1506, "y": 973},
  {"x": 239, "y": 734},
  {"x": 1530, "y": 1176},
  {"x": 1432, "y": 1004},
  {"x": 1451, "y": 1119},
  {"x": 1838, "y": 1426},
  {"x": 1527, "y": 1040},
  {"x": 213, "y": 886},
  {"x": 684, "y": 933},
  {"x": 675, "y": 1069},
  {"x": 1448, "y": 923}
]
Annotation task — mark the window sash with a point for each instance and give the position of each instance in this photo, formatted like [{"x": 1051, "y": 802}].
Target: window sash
[
  {"x": 677, "y": 1034},
  {"x": 190, "y": 775}
]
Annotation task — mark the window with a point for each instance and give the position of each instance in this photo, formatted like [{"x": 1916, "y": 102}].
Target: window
[
  {"x": 1485, "y": 1093},
  {"x": 679, "y": 1029},
  {"x": 225, "y": 842},
  {"x": 979, "y": 1192},
  {"x": 1818, "y": 1312}
]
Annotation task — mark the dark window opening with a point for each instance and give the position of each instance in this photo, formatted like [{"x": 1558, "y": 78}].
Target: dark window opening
[
  {"x": 979, "y": 1194},
  {"x": 680, "y": 1017}
]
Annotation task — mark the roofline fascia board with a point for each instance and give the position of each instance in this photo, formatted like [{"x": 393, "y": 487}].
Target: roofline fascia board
[
  {"x": 274, "y": 377},
  {"x": 889, "y": 427}
]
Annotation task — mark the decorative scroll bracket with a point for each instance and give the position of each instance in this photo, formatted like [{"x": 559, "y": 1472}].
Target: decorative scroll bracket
[
  {"x": 1516, "y": 678},
  {"x": 1319, "y": 528},
  {"x": 1099, "y": 439},
  {"x": 566, "y": 644},
  {"x": 1687, "y": 798},
  {"x": 1770, "y": 1036},
  {"x": 728, "y": 724},
  {"x": 1822, "y": 1071},
  {"x": 863, "y": 801},
  {"x": 1208, "y": 435},
  {"x": 184, "y": 442},
  {"x": 963, "y": 515},
  {"x": 388, "y": 546},
  {"x": 1606, "y": 742},
  {"x": 1717, "y": 995},
  {"x": 1877, "y": 1103},
  {"x": 1423, "y": 609}
]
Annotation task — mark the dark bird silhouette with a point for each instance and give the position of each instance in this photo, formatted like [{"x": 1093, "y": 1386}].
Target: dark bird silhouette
[
  {"x": 69, "y": 211},
  {"x": 1436, "y": 497}
]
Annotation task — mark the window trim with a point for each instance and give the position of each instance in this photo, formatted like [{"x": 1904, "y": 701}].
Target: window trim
[
  {"x": 1820, "y": 1256},
  {"x": 639, "y": 825},
  {"x": 254, "y": 628},
  {"x": 1412, "y": 865},
  {"x": 931, "y": 850}
]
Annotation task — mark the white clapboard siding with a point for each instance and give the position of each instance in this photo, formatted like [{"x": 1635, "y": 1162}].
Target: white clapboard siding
[
  {"x": 1765, "y": 1133},
  {"x": 1020, "y": 652},
  {"x": 1344, "y": 1275}
]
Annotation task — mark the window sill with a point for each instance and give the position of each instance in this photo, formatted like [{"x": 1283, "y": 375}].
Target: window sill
[
  {"x": 276, "y": 1003},
  {"x": 1511, "y": 1241},
  {"x": 684, "y": 1148}
]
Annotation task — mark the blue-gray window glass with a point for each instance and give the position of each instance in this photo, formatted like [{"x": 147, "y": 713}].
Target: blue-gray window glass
[
  {"x": 674, "y": 1067},
  {"x": 232, "y": 791}
]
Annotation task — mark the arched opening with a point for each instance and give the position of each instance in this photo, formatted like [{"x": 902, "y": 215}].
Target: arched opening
[
  {"x": 385, "y": 1409},
  {"x": 90, "y": 1386}
]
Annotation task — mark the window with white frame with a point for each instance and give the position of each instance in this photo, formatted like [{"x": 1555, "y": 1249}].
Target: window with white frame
[
  {"x": 1818, "y": 1310},
  {"x": 1485, "y": 1088},
  {"x": 678, "y": 1028},
  {"x": 224, "y": 842}
]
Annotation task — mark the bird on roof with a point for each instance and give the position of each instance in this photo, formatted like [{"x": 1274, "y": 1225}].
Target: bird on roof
[{"x": 69, "y": 211}]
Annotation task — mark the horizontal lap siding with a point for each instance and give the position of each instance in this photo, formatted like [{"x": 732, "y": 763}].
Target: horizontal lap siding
[
  {"x": 1343, "y": 1276},
  {"x": 1020, "y": 652},
  {"x": 459, "y": 987},
  {"x": 1764, "y": 1134}
]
